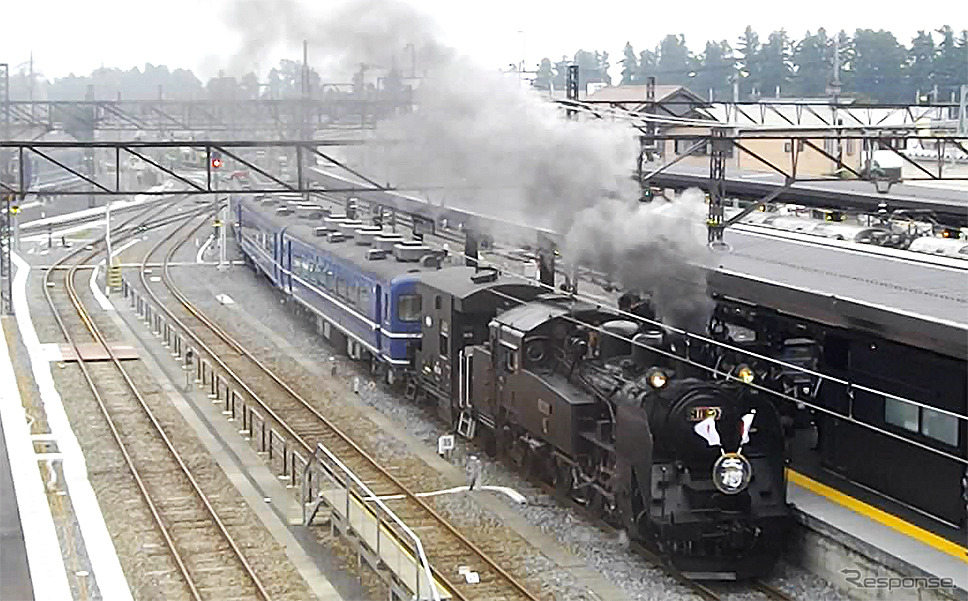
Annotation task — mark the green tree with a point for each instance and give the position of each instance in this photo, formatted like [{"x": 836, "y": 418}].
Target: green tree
[
  {"x": 603, "y": 67},
  {"x": 951, "y": 66},
  {"x": 592, "y": 68},
  {"x": 648, "y": 65},
  {"x": 749, "y": 62},
  {"x": 844, "y": 47},
  {"x": 920, "y": 66},
  {"x": 675, "y": 60},
  {"x": 630, "y": 65},
  {"x": 877, "y": 65},
  {"x": 774, "y": 64},
  {"x": 716, "y": 66},
  {"x": 812, "y": 64},
  {"x": 561, "y": 73},
  {"x": 545, "y": 75}
]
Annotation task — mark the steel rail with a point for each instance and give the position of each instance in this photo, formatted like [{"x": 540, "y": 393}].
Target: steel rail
[
  {"x": 98, "y": 336},
  {"x": 308, "y": 448}
]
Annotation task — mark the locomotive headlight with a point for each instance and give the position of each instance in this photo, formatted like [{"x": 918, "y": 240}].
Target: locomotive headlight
[
  {"x": 657, "y": 378},
  {"x": 745, "y": 373},
  {"x": 731, "y": 473}
]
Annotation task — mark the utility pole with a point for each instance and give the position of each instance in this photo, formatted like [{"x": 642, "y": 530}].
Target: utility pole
[
  {"x": 963, "y": 112},
  {"x": 571, "y": 90},
  {"x": 719, "y": 146},
  {"x": 107, "y": 243},
  {"x": 647, "y": 143},
  {"x": 833, "y": 90},
  {"x": 413, "y": 60},
  {"x": 31, "y": 86},
  {"x": 302, "y": 168},
  {"x": 6, "y": 196},
  {"x": 222, "y": 226}
]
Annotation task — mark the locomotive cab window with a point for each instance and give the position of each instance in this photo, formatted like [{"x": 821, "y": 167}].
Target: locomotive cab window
[{"x": 408, "y": 307}]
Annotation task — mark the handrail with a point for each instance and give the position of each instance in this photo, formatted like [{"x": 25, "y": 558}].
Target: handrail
[{"x": 371, "y": 496}]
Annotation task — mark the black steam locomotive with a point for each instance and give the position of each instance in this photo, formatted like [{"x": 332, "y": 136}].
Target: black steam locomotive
[
  {"x": 610, "y": 414},
  {"x": 618, "y": 417}
]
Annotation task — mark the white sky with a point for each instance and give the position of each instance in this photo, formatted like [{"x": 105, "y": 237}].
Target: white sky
[{"x": 78, "y": 36}]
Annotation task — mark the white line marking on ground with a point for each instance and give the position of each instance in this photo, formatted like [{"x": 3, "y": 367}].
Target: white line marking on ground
[
  {"x": 203, "y": 248},
  {"x": 98, "y": 295},
  {"x": 101, "y": 297},
  {"x": 100, "y": 549}
]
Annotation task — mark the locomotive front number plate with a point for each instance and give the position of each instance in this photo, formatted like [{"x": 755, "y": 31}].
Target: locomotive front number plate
[{"x": 697, "y": 414}]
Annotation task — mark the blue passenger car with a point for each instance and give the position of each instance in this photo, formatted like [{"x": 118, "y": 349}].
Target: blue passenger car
[
  {"x": 259, "y": 237},
  {"x": 366, "y": 300},
  {"x": 347, "y": 297}
]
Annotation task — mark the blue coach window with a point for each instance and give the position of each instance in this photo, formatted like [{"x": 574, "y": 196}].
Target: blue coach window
[{"x": 408, "y": 307}]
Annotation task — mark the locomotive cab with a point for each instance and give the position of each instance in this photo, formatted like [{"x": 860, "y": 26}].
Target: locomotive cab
[{"x": 457, "y": 305}]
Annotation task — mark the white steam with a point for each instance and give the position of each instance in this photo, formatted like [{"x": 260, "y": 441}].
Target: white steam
[{"x": 500, "y": 149}]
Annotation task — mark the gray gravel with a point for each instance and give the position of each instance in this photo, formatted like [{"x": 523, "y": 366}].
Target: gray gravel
[{"x": 144, "y": 557}]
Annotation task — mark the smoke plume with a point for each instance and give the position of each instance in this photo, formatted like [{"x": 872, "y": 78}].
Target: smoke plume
[
  {"x": 480, "y": 140},
  {"x": 657, "y": 248}
]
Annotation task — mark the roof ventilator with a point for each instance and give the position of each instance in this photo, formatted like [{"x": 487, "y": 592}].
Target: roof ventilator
[
  {"x": 348, "y": 228},
  {"x": 387, "y": 241},
  {"x": 406, "y": 253},
  {"x": 365, "y": 235}
]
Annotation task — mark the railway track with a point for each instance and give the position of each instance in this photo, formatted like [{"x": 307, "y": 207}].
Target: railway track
[
  {"x": 304, "y": 426},
  {"x": 196, "y": 518}
]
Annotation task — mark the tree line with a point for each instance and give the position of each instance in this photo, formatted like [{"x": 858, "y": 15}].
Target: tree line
[
  {"x": 159, "y": 82},
  {"x": 874, "y": 66}
]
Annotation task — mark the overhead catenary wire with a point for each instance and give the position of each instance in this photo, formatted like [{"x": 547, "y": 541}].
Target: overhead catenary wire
[
  {"x": 726, "y": 375},
  {"x": 746, "y": 352},
  {"x": 849, "y": 417},
  {"x": 850, "y": 386}
]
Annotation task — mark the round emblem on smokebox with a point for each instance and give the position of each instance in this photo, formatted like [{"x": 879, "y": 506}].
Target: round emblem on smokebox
[{"x": 731, "y": 473}]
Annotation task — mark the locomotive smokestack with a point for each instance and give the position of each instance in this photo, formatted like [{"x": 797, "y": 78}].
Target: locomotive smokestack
[
  {"x": 471, "y": 244},
  {"x": 546, "y": 260}
]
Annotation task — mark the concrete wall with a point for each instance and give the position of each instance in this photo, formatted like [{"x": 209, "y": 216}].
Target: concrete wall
[{"x": 828, "y": 552}]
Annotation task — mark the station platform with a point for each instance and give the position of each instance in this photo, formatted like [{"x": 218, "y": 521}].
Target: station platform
[
  {"x": 949, "y": 204},
  {"x": 15, "y": 584},
  {"x": 904, "y": 559},
  {"x": 913, "y": 300},
  {"x": 17, "y": 486}
]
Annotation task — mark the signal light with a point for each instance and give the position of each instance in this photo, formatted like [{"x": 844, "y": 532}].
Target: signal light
[
  {"x": 216, "y": 159},
  {"x": 950, "y": 232}
]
